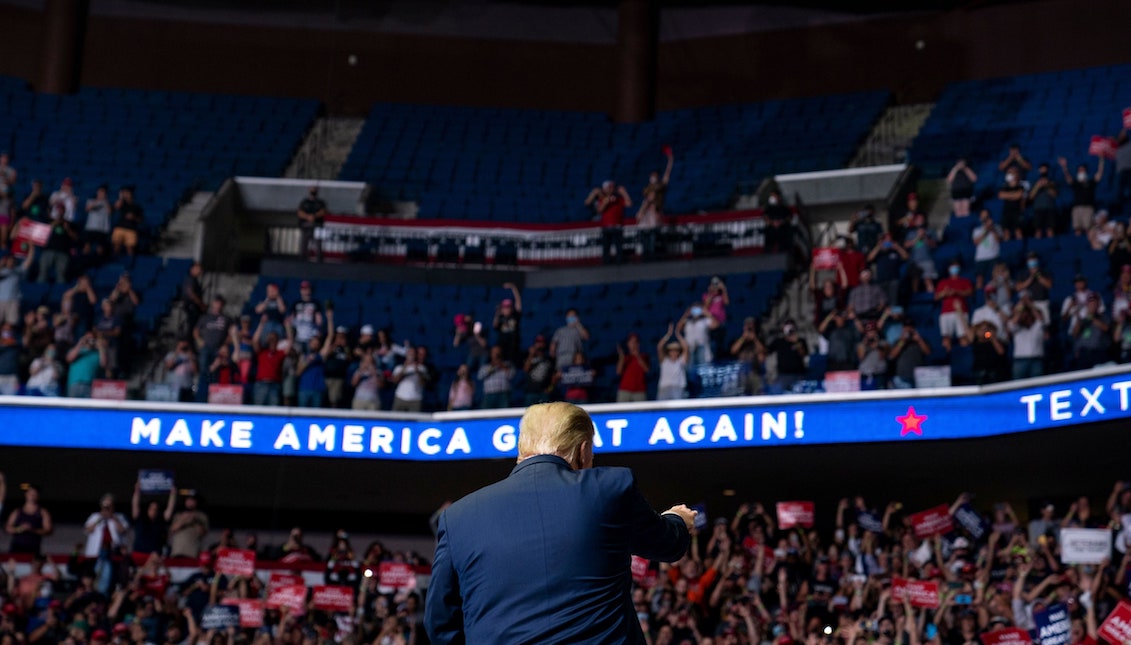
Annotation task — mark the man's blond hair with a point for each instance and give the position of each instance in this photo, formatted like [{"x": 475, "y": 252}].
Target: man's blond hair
[{"x": 554, "y": 429}]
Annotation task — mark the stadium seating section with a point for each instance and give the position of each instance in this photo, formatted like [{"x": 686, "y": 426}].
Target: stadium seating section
[
  {"x": 156, "y": 280},
  {"x": 537, "y": 166},
  {"x": 423, "y": 314},
  {"x": 1049, "y": 115},
  {"x": 165, "y": 143}
]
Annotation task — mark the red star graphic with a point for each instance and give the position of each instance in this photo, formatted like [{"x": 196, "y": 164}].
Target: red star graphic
[{"x": 911, "y": 422}]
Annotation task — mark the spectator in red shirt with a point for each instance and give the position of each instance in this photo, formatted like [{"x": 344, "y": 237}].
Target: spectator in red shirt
[
  {"x": 852, "y": 261},
  {"x": 632, "y": 368},
  {"x": 952, "y": 292},
  {"x": 268, "y": 389},
  {"x": 610, "y": 200}
]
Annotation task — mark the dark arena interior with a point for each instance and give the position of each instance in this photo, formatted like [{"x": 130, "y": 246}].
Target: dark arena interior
[{"x": 278, "y": 280}]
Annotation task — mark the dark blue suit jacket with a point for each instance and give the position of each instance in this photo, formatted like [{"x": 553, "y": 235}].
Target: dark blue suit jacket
[{"x": 544, "y": 557}]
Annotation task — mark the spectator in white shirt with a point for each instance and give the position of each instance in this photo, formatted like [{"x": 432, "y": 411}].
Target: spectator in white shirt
[
  {"x": 1076, "y": 303},
  {"x": 991, "y": 311},
  {"x": 695, "y": 326},
  {"x": 410, "y": 378},
  {"x": 1028, "y": 328},
  {"x": 987, "y": 248},
  {"x": 65, "y": 196}
]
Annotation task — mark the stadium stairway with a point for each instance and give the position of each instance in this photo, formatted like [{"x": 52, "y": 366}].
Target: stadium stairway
[
  {"x": 325, "y": 148},
  {"x": 892, "y": 135}
]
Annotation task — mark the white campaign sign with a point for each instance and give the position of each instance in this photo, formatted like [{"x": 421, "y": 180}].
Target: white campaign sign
[{"x": 1084, "y": 546}]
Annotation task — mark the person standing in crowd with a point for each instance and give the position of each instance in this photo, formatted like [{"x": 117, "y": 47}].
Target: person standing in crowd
[
  {"x": 779, "y": 224},
  {"x": 181, "y": 370},
  {"x": 632, "y": 368},
  {"x": 272, "y": 311},
  {"x": 311, "y": 370},
  {"x": 306, "y": 316},
  {"x": 367, "y": 381},
  {"x": 610, "y": 200},
  {"x": 130, "y": 219},
  {"x": 11, "y": 277},
  {"x": 749, "y": 351},
  {"x": 790, "y": 350},
  {"x": 696, "y": 326},
  {"x": 1083, "y": 188},
  {"x": 96, "y": 229},
  {"x": 409, "y": 377},
  {"x": 86, "y": 358},
  {"x": 482, "y": 580},
  {"x": 29, "y": 523},
  {"x": 1027, "y": 325},
  {"x": 672, "y": 353},
  {"x": 866, "y": 228},
  {"x": 268, "y": 389},
  {"x": 55, "y": 257},
  {"x": 953, "y": 292},
  {"x": 192, "y": 296},
  {"x": 1012, "y": 196},
  {"x": 1043, "y": 198},
  {"x": 311, "y": 216},
  {"x": 151, "y": 527},
  {"x": 961, "y": 180},
  {"x": 496, "y": 378},
  {"x": 539, "y": 373},
  {"x": 189, "y": 527},
  {"x": 105, "y": 531},
  {"x": 649, "y": 219},
  {"x": 1091, "y": 334},
  {"x": 715, "y": 301},
  {"x": 337, "y": 367},
  {"x": 461, "y": 394},
  {"x": 987, "y": 248},
  {"x": 508, "y": 325},
  {"x": 576, "y": 379},
  {"x": 211, "y": 332},
  {"x": 568, "y": 340}
]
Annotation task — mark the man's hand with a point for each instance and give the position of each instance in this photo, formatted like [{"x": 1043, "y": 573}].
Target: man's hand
[{"x": 686, "y": 514}]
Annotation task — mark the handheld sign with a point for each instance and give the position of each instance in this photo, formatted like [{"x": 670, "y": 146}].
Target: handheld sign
[
  {"x": 931, "y": 522},
  {"x": 292, "y": 597},
  {"x": 1116, "y": 629},
  {"x": 220, "y": 617},
  {"x": 155, "y": 481},
  {"x": 250, "y": 611},
  {"x": 333, "y": 598},
  {"x": 1054, "y": 625},
  {"x": 396, "y": 575},
  {"x": 1084, "y": 546},
  {"x": 235, "y": 562},
  {"x": 793, "y": 514},
  {"x": 1007, "y": 636},
  {"x": 920, "y": 593}
]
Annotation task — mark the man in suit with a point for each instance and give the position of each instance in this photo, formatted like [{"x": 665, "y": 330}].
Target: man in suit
[{"x": 543, "y": 556}]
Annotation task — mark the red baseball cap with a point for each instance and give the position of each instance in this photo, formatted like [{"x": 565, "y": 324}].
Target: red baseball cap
[{"x": 99, "y": 635}]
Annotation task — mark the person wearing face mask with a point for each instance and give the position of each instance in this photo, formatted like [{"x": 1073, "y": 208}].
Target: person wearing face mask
[
  {"x": 1043, "y": 197},
  {"x": 952, "y": 292},
  {"x": 695, "y": 326},
  {"x": 1012, "y": 196},
  {"x": 569, "y": 339},
  {"x": 1083, "y": 193},
  {"x": 311, "y": 215},
  {"x": 1015, "y": 161},
  {"x": 1037, "y": 283}
]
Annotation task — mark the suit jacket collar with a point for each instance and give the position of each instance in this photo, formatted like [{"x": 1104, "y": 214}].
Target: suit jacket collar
[{"x": 541, "y": 459}]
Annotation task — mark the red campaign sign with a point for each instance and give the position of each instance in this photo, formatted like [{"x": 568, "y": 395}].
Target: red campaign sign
[
  {"x": 32, "y": 231},
  {"x": 642, "y": 572},
  {"x": 290, "y": 596},
  {"x": 1007, "y": 636},
  {"x": 333, "y": 598},
  {"x": 1117, "y": 628},
  {"x": 825, "y": 258},
  {"x": 793, "y": 514},
  {"x": 225, "y": 394},
  {"x": 1127, "y": 117},
  {"x": 1101, "y": 146},
  {"x": 108, "y": 390},
  {"x": 396, "y": 575},
  {"x": 251, "y": 610},
  {"x": 921, "y": 593},
  {"x": 933, "y": 521},
  {"x": 284, "y": 580},
  {"x": 235, "y": 562}
]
